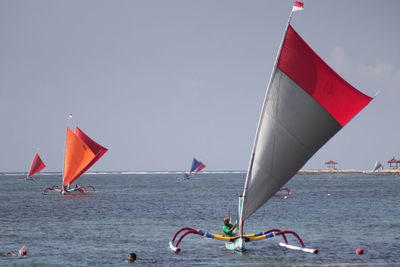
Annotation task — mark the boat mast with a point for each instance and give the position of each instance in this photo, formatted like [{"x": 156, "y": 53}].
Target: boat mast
[
  {"x": 65, "y": 147},
  {"x": 259, "y": 125}
]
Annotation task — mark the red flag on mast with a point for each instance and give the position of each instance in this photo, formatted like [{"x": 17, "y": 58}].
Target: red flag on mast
[{"x": 298, "y": 6}]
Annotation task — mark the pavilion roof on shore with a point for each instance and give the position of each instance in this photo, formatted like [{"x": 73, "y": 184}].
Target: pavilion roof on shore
[
  {"x": 395, "y": 162},
  {"x": 331, "y": 162}
]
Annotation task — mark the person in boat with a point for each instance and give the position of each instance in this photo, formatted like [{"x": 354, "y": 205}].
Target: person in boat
[
  {"x": 132, "y": 257},
  {"x": 228, "y": 228},
  {"x": 64, "y": 190},
  {"x": 22, "y": 252}
]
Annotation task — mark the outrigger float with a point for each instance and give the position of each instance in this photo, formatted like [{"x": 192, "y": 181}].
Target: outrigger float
[
  {"x": 81, "y": 153},
  {"x": 306, "y": 103}
]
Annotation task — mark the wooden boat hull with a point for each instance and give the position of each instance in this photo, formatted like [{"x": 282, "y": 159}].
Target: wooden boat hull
[
  {"x": 72, "y": 191},
  {"x": 237, "y": 245}
]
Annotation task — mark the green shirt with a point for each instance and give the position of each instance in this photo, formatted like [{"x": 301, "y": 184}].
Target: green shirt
[{"x": 226, "y": 229}]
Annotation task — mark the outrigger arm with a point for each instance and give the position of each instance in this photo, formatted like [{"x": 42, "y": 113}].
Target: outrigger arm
[
  {"x": 60, "y": 189},
  {"x": 247, "y": 238},
  {"x": 237, "y": 242}
]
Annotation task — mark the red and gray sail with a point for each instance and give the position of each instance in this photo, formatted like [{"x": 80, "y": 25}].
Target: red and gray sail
[{"x": 306, "y": 104}]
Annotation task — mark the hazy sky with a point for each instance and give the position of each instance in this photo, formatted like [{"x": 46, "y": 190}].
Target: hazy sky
[{"x": 162, "y": 81}]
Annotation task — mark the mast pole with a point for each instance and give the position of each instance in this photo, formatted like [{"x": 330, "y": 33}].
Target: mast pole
[
  {"x": 259, "y": 125},
  {"x": 65, "y": 147}
]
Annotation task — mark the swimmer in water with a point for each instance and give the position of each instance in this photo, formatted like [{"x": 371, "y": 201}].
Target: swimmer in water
[
  {"x": 22, "y": 252},
  {"x": 132, "y": 257}
]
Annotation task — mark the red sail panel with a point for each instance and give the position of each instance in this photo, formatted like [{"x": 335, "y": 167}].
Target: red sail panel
[
  {"x": 301, "y": 64},
  {"x": 77, "y": 156},
  {"x": 97, "y": 149},
  {"x": 37, "y": 165},
  {"x": 202, "y": 166}
]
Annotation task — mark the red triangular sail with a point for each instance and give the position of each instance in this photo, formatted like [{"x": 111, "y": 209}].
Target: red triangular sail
[
  {"x": 37, "y": 165},
  {"x": 202, "y": 166}
]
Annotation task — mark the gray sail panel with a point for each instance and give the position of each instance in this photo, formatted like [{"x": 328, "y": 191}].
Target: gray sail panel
[
  {"x": 293, "y": 127},
  {"x": 377, "y": 166}
]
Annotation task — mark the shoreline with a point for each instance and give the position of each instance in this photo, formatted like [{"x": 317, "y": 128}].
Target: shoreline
[{"x": 388, "y": 172}]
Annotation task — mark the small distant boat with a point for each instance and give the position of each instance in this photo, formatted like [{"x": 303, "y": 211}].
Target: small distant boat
[
  {"x": 81, "y": 152},
  {"x": 377, "y": 166},
  {"x": 283, "y": 193},
  {"x": 197, "y": 166},
  {"x": 306, "y": 103},
  {"x": 36, "y": 167}
]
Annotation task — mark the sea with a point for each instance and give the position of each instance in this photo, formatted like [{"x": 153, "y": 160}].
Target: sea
[{"x": 141, "y": 212}]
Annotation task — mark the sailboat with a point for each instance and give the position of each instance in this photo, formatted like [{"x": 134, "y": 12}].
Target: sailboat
[
  {"x": 306, "y": 103},
  {"x": 36, "y": 167},
  {"x": 377, "y": 166},
  {"x": 81, "y": 153},
  {"x": 197, "y": 166},
  {"x": 286, "y": 193}
]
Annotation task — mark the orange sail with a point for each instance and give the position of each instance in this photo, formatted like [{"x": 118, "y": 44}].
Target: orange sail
[
  {"x": 77, "y": 156},
  {"x": 95, "y": 147}
]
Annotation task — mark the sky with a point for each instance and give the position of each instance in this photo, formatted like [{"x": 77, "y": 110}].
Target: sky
[{"x": 162, "y": 81}]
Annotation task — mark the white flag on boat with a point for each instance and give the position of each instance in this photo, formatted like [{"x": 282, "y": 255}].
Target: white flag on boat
[{"x": 298, "y": 6}]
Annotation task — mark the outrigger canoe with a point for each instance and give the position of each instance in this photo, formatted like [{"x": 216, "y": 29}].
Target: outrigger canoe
[{"x": 306, "y": 103}]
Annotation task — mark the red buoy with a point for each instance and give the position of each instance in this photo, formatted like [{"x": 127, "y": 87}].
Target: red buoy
[{"x": 359, "y": 251}]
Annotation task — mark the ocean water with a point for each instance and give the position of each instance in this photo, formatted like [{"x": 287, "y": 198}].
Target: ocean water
[{"x": 141, "y": 212}]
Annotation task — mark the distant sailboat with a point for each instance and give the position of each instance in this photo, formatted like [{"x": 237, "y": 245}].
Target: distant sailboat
[
  {"x": 377, "y": 166},
  {"x": 305, "y": 105},
  {"x": 286, "y": 193},
  {"x": 197, "y": 166},
  {"x": 37, "y": 166},
  {"x": 81, "y": 153}
]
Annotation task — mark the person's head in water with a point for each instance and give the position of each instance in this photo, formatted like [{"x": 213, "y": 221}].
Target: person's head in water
[{"x": 132, "y": 257}]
